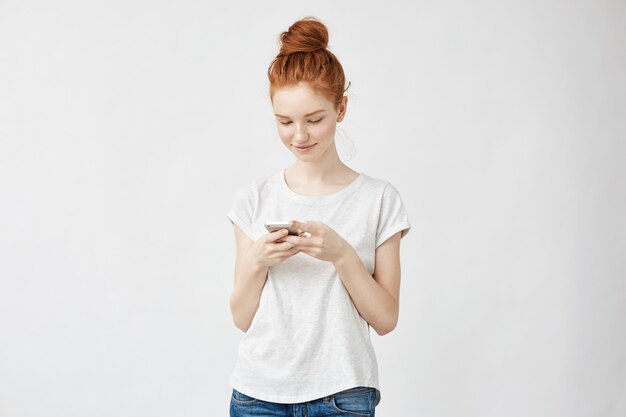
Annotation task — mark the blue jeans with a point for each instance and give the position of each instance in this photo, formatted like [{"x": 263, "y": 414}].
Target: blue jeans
[{"x": 353, "y": 402}]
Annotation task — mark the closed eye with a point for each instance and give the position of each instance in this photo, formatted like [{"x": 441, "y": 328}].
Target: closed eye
[{"x": 310, "y": 121}]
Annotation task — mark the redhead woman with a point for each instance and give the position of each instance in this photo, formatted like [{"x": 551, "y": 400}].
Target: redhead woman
[{"x": 306, "y": 300}]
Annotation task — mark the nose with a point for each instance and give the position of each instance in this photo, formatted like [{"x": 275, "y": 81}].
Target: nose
[{"x": 301, "y": 135}]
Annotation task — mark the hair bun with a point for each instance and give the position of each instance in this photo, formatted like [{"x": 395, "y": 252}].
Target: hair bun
[{"x": 306, "y": 35}]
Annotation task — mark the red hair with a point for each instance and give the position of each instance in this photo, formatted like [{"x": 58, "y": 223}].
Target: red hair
[{"x": 304, "y": 57}]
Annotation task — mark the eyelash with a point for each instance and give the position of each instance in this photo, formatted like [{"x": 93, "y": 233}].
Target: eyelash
[{"x": 312, "y": 121}]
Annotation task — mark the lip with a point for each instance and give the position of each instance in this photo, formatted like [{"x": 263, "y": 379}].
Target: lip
[{"x": 306, "y": 148}]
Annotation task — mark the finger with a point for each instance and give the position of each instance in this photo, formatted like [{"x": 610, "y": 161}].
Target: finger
[
  {"x": 284, "y": 246},
  {"x": 287, "y": 252},
  {"x": 288, "y": 255},
  {"x": 299, "y": 240},
  {"x": 304, "y": 226},
  {"x": 274, "y": 236}
]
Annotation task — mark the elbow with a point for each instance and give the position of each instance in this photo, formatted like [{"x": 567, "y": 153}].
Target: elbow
[
  {"x": 238, "y": 319},
  {"x": 241, "y": 319},
  {"x": 240, "y": 323},
  {"x": 387, "y": 327},
  {"x": 385, "y": 330},
  {"x": 388, "y": 319},
  {"x": 241, "y": 326}
]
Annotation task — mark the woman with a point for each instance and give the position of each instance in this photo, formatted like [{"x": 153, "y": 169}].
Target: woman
[{"x": 306, "y": 301}]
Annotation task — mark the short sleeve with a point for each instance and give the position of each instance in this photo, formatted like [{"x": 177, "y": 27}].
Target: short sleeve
[
  {"x": 393, "y": 216},
  {"x": 241, "y": 212}
]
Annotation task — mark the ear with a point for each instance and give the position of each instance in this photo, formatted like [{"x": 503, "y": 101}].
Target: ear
[{"x": 343, "y": 106}]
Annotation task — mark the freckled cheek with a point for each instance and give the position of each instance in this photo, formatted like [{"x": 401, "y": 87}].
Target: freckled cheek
[
  {"x": 325, "y": 131},
  {"x": 285, "y": 134}
]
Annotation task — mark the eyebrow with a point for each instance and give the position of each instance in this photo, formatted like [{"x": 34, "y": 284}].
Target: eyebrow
[{"x": 306, "y": 115}]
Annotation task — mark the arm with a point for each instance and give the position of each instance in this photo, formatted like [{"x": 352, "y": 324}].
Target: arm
[
  {"x": 250, "y": 277},
  {"x": 377, "y": 300},
  {"x": 251, "y": 270},
  {"x": 375, "y": 297}
]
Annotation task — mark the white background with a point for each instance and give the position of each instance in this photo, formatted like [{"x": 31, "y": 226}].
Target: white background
[{"x": 127, "y": 126}]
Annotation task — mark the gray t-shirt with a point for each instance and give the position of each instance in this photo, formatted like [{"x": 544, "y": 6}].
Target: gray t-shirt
[{"x": 307, "y": 339}]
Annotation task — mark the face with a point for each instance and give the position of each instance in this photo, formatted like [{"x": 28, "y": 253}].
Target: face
[{"x": 306, "y": 121}]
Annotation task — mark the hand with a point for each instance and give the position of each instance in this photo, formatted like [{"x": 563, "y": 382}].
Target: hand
[
  {"x": 322, "y": 241},
  {"x": 270, "y": 250}
]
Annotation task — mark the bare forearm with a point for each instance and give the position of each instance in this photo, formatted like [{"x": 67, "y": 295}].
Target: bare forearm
[
  {"x": 371, "y": 300},
  {"x": 244, "y": 301}
]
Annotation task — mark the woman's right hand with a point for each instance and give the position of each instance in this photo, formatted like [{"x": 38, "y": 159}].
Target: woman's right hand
[{"x": 269, "y": 250}]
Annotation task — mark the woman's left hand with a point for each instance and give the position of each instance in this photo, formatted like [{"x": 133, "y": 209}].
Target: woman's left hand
[{"x": 322, "y": 241}]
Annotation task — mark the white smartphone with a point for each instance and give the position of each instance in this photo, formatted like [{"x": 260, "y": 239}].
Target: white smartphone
[{"x": 277, "y": 225}]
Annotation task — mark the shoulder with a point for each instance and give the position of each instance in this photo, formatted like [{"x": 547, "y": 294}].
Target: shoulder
[
  {"x": 256, "y": 186},
  {"x": 379, "y": 186},
  {"x": 392, "y": 215}
]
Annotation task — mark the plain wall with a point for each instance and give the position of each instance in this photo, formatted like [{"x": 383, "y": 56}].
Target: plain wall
[{"x": 127, "y": 126}]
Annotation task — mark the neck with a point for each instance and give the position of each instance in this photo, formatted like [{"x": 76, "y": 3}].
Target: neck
[{"x": 320, "y": 170}]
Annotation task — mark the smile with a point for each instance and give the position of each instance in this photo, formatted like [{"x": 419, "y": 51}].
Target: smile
[{"x": 305, "y": 148}]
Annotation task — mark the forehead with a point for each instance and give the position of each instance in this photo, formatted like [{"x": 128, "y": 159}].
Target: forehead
[{"x": 298, "y": 99}]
